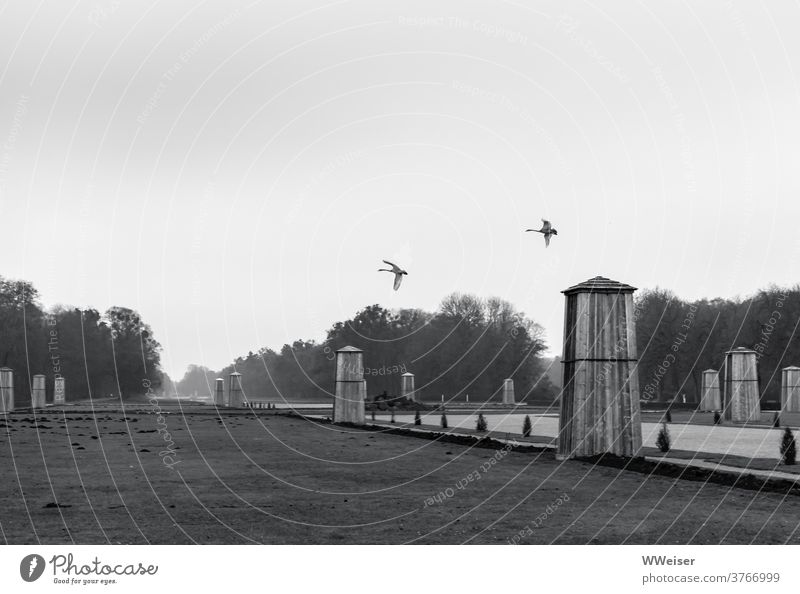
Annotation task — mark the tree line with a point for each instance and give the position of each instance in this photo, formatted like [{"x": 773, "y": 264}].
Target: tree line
[
  {"x": 679, "y": 339},
  {"x": 467, "y": 347},
  {"x": 98, "y": 354}
]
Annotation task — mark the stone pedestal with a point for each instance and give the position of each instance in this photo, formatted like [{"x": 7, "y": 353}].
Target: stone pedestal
[
  {"x": 741, "y": 401},
  {"x": 6, "y": 390},
  {"x": 219, "y": 392},
  {"x": 508, "y": 391},
  {"x": 348, "y": 403},
  {"x": 407, "y": 386},
  {"x": 710, "y": 398},
  {"x": 600, "y": 394},
  {"x": 59, "y": 391},
  {"x": 39, "y": 392},
  {"x": 790, "y": 389},
  {"x": 235, "y": 392}
]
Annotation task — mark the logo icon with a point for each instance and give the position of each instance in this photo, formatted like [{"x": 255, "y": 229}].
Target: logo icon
[{"x": 31, "y": 568}]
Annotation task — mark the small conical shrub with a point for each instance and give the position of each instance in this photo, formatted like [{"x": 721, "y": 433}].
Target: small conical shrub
[
  {"x": 480, "y": 425},
  {"x": 663, "y": 439},
  {"x": 392, "y": 419},
  {"x": 373, "y": 414},
  {"x": 717, "y": 418},
  {"x": 776, "y": 421},
  {"x": 788, "y": 447},
  {"x": 417, "y": 419},
  {"x": 669, "y": 415},
  {"x": 526, "y": 427},
  {"x": 444, "y": 421}
]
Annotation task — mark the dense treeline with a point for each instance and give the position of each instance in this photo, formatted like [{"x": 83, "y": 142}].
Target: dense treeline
[
  {"x": 679, "y": 339},
  {"x": 98, "y": 355},
  {"x": 469, "y": 346}
]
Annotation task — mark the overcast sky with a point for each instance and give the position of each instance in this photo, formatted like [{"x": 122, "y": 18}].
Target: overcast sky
[{"x": 236, "y": 171}]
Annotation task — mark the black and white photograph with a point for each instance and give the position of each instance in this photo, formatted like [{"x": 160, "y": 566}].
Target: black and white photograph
[{"x": 351, "y": 272}]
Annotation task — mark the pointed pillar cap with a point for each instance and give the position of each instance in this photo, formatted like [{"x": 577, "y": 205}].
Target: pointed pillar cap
[{"x": 599, "y": 284}]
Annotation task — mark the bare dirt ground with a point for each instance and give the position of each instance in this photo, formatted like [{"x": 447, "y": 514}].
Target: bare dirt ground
[{"x": 256, "y": 477}]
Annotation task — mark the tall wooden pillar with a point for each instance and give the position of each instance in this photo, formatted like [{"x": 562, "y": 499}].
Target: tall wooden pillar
[
  {"x": 508, "y": 391},
  {"x": 407, "y": 386},
  {"x": 39, "y": 392},
  {"x": 348, "y": 403},
  {"x": 710, "y": 399},
  {"x": 600, "y": 394},
  {"x": 235, "y": 392},
  {"x": 790, "y": 389},
  {"x": 742, "y": 402},
  {"x": 219, "y": 392},
  {"x": 6, "y": 390}
]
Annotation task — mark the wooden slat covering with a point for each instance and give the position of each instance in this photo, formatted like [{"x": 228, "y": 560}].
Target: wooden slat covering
[
  {"x": 39, "y": 392},
  {"x": 790, "y": 389},
  {"x": 219, "y": 392},
  {"x": 600, "y": 397},
  {"x": 235, "y": 393},
  {"x": 6, "y": 390},
  {"x": 742, "y": 402},
  {"x": 350, "y": 394},
  {"x": 710, "y": 399},
  {"x": 508, "y": 391},
  {"x": 407, "y": 386}
]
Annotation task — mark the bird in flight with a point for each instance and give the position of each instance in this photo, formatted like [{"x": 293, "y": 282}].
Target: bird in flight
[
  {"x": 547, "y": 230},
  {"x": 397, "y": 271}
]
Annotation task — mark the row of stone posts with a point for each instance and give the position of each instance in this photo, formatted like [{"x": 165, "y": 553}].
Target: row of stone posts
[
  {"x": 740, "y": 398},
  {"x": 38, "y": 391},
  {"x": 235, "y": 397}
]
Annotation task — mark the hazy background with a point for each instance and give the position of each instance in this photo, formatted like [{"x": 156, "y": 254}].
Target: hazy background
[{"x": 236, "y": 171}]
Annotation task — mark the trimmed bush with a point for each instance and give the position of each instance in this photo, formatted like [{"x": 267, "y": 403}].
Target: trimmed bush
[
  {"x": 480, "y": 425},
  {"x": 662, "y": 442},
  {"x": 669, "y": 415},
  {"x": 444, "y": 421},
  {"x": 392, "y": 419},
  {"x": 373, "y": 414},
  {"x": 417, "y": 419},
  {"x": 788, "y": 447},
  {"x": 527, "y": 427},
  {"x": 776, "y": 421},
  {"x": 717, "y": 418}
]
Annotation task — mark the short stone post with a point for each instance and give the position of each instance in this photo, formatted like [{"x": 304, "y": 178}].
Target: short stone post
[
  {"x": 790, "y": 389},
  {"x": 600, "y": 398},
  {"x": 235, "y": 393},
  {"x": 348, "y": 403},
  {"x": 508, "y": 391},
  {"x": 407, "y": 386},
  {"x": 219, "y": 392},
  {"x": 38, "y": 394},
  {"x": 710, "y": 400},
  {"x": 59, "y": 391},
  {"x": 742, "y": 402},
  {"x": 6, "y": 390}
]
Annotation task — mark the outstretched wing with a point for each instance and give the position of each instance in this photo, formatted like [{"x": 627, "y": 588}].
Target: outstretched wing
[
  {"x": 398, "y": 278},
  {"x": 395, "y": 267},
  {"x": 546, "y": 226}
]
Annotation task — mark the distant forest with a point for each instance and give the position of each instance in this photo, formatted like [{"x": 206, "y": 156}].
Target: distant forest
[
  {"x": 98, "y": 355},
  {"x": 469, "y": 346}
]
